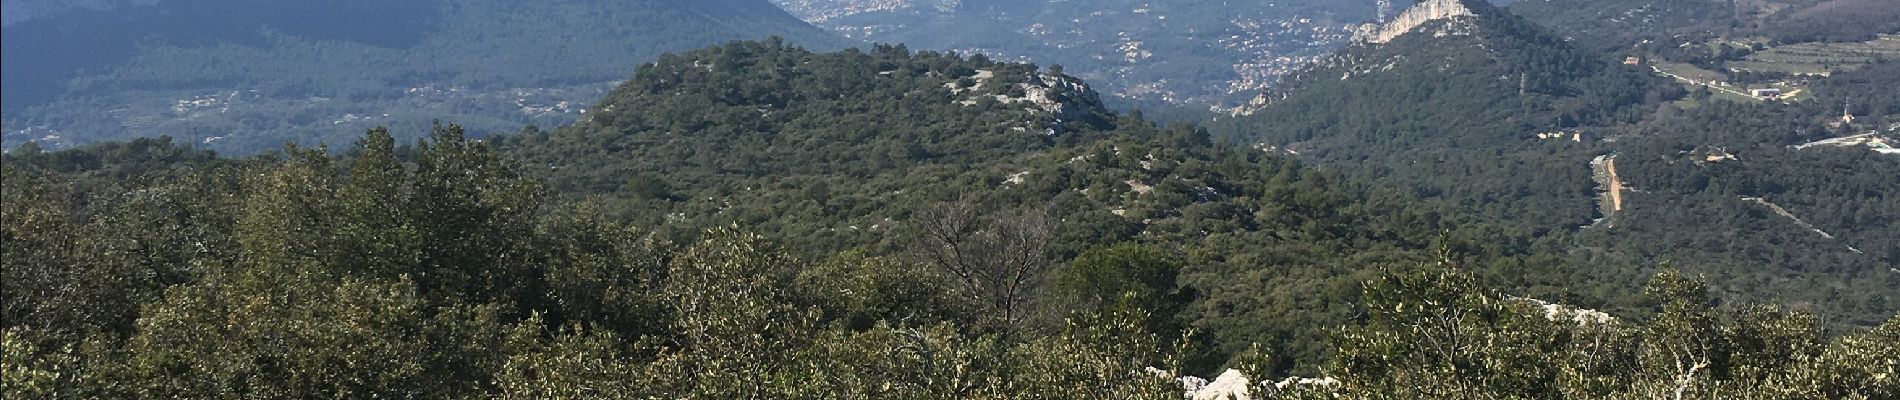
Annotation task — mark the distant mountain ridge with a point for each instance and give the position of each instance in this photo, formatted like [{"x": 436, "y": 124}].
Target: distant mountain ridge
[{"x": 247, "y": 75}]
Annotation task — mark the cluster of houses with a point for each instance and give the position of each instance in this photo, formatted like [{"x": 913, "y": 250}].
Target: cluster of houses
[{"x": 1574, "y": 135}]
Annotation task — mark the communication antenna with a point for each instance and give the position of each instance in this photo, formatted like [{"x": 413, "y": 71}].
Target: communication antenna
[{"x": 1385, "y": 9}]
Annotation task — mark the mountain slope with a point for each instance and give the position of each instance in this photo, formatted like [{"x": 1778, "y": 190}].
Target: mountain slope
[
  {"x": 836, "y": 151},
  {"x": 842, "y": 151},
  {"x": 713, "y": 135},
  {"x": 1621, "y": 22},
  {"x": 1447, "y": 79},
  {"x": 1506, "y": 123},
  {"x": 248, "y": 75},
  {"x": 1759, "y": 197}
]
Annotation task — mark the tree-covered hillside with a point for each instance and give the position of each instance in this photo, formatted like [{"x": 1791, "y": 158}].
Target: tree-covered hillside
[
  {"x": 855, "y": 150},
  {"x": 246, "y": 76},
  {"x": 1757, "y": 196},
  {"x": 1452, "y": 110},
  {"x": 440, "y": 270},
  {"x": 1497, "y": 119}
]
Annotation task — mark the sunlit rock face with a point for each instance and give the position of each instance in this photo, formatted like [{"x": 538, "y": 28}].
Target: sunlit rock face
[{"x": 1412, "y": 18}]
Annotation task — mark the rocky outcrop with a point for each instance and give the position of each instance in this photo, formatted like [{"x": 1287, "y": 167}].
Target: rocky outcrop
[
  {"x": 1564, "y": 313},
  {"x": 1062, "y": 97},
  {"x": 1065, "y": 97},
  {"x": 1412, "y": 18},
  {"x": 1234, "y": 385},
  {"x": 1230, "y": 385}
]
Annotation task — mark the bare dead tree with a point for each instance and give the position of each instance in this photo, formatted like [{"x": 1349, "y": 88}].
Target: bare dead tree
[
  {"x": 945, "y": 239},
  {"x": 997, "y": 259}
]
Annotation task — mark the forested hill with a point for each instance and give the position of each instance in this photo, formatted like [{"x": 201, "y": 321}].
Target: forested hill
[
  {"x": 1487, "y": 114},
  {"x": 1472, "y": 81},
  {"x": 861, "y": 150},
  {"x": 1766, "y": 199},
  {"x": 852, "y": 130},
  {"x": 245, "y": 76}
]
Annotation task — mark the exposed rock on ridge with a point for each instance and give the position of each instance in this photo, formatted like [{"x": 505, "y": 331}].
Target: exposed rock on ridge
[
  {"x": 1564, "y": 313},
  {"x": 1062, "y": 97},
  {"x": 1423, "y": 12},
  {"x": 1065, "y": 97},
  {"x": 1234, "y": 385}
]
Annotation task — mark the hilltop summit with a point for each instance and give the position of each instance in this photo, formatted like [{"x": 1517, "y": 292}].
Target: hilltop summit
[
  {"x": 243, "y": 76},
  {"x": 1412, "y": 18}
]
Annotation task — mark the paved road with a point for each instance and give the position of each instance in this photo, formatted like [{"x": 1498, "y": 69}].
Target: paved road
[{"x": 1710, "y": 85}]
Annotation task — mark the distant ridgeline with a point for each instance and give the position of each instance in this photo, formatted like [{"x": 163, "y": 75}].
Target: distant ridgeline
[
  {"x": 1469, "y": 107},
  {"x": 246, "y": 76}
]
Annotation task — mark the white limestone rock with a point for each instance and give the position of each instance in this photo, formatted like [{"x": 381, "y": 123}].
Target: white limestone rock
[{"x": 1412, "y": 18}]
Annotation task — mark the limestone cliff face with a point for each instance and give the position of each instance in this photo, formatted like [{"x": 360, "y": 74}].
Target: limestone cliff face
[
  {"x": 1065, "y": 97},
  {"x": 1423, "y": 12}
]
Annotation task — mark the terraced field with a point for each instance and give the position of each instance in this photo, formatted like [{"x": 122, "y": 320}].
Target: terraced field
[{"x": 1821, "y": 58}]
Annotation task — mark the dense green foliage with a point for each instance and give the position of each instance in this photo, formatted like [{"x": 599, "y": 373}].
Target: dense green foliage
[
  {"x": 830, "y": 152},
  {"x": 317, "y": 277},
  {"x": 1425, "y": 100},
  {"x": 246, "y": 76},
  {"x": 1700, "y": 214},
  {"x": 1455, "y": 121},
  {"x": 1432, "y": 332},
  {"x": 452, "y": 276}
]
